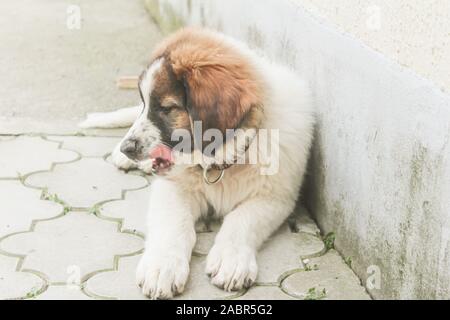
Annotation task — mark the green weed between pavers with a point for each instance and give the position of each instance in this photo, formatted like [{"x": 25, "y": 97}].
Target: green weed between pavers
[
  {"x": 311, "y": 268},
  {"x": 54, "y": 198},
  {"x": 95, "y": 210},
  {"x": 21, "y": 177},
  {"x": 348, "y": 261},
  {"x": 32, "y": 293},
  {"x": 329, "y": 241},
  {"x": 313, "y": 294}
]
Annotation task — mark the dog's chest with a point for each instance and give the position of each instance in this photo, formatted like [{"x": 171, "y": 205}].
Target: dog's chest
[{"x": 232, "y": 191}]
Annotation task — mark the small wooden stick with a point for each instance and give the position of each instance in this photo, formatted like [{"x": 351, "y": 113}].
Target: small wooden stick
[{"x": 127, "y": 82}]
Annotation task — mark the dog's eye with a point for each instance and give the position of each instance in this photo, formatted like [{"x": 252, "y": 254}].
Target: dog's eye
[{"x": 168, "y": 109}]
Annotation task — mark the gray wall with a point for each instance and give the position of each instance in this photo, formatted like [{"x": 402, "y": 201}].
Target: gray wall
[{"x": 380, "y": 171}]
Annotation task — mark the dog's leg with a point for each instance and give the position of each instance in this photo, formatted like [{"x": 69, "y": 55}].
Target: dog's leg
[
  {"x": 121, "y": 118},
  {"x": 164, "y": 268},
  {"x": 231, "y": 262}
]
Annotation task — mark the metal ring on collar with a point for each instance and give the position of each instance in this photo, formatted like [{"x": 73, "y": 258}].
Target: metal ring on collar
[{"x": 205, "y": 175}]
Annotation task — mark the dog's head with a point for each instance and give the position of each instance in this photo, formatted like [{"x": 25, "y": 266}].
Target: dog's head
[{"x": 194, "y": 76}]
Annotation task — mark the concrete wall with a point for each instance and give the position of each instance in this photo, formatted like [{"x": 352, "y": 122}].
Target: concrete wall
[
  {"x": 380, "y": 170},
  {"x": 415, "y": 33}
]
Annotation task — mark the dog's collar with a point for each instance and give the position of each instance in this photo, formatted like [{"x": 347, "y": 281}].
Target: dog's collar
[
  {"x": 219, "y": 167},
  {"x": 207, "y": 169}
]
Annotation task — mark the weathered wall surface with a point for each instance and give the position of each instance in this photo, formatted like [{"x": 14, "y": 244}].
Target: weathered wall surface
[
  {"x": 380, "y": 170},
  {"x": 415, "y": 33}
]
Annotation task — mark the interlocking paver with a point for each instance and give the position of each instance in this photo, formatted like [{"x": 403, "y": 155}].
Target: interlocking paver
[
  {"x": 19, "y": 206},
  {"x": 23, "y": 155},
  {"x": 265, "y": 293},
  {"x": 205, "y": 241},
  {"x": 283, "y": 252},
  {"x": 86, "y": 182},
  {"x": 63, "y": 292},
  {"x": 88, "y": 146},
  {"x": 15, "y": 284},
  {"x": 328, "y": 272},
  {"x": 73, "y": 245},
  {"x": 117, "y": 284},
  {"x": 132, "y": 210}
]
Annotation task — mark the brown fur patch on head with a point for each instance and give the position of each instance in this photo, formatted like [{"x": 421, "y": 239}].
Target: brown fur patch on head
[
  {"x": 167, "y": 100},
  {"x": 221, "y": 85}
]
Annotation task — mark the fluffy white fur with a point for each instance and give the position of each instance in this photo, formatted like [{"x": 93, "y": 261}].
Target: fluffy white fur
[{"x": 253, "y": 205}]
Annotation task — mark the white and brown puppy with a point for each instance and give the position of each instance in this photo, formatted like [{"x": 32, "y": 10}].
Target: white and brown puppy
[{"x": 199, "y": 75}]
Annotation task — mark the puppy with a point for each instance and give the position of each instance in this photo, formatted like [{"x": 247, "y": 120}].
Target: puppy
[{"x": 201, "y": 84}]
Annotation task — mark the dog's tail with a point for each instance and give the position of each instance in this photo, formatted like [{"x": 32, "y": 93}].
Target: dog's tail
[{"x": 121, "y": 118}]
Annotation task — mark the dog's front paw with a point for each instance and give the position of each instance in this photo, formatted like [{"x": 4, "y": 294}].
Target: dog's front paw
[
  {"x": 162, "y": 276},
  {"x": 231, "y": 268},
  {"x": 121, "y": 161}
]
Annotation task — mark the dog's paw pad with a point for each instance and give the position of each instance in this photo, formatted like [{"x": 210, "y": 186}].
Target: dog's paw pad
[
  {"x": 231, "y": 268},
  {"x": 162, "y": 277}
]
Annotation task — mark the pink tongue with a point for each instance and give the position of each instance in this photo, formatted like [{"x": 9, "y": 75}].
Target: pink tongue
[{"x": 163, "y": 152}]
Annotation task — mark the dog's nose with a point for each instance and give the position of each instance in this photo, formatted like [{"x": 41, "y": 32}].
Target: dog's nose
[{"x": 129, "y": 148}]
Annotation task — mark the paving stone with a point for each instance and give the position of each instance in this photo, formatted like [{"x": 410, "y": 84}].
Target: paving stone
[
  {"x": 118, "y": 284},
  {"x": 20, "y": 205},
  {"x": 72, "y": 246},
  {"x": 301, "y": 221},
  {"x": 283, "y": 252},
  {"x": 23, "y": 155},
  {"x": 15, "y": 284},
  {"x": 205, "y": 241},
  {"x": 265, "y": 293},
  {"x": 86, "y": 182},
  {"x": 132, "y": 210},
  {"x": 206, "y": 233},
  {"x": 63, "y": 292},
  {"x": 88, "y": 146},
  {"x": 332, "y": 274}
]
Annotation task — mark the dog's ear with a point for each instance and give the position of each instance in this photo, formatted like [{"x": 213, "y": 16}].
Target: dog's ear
[{"x": 221, "y": 89}]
